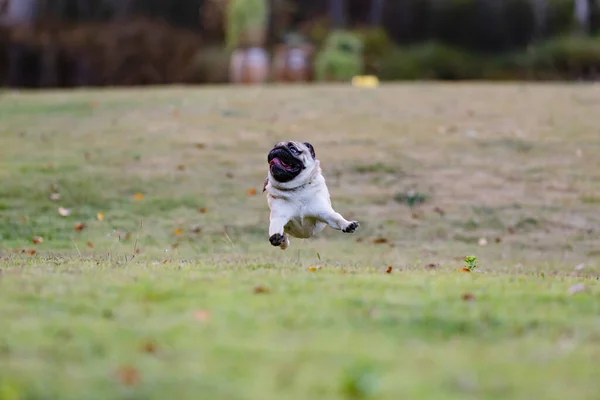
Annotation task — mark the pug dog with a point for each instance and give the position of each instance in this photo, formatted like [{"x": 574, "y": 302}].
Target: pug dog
[{"x": 298, "y": 196}]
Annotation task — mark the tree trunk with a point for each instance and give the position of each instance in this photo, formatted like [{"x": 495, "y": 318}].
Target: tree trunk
[
  {"x": 19, "y": 12},
  {"x": 540, "y": 15},
  {"x": 583, "y": 14},
  {"x": 337, "y": 12},
  {"x": 376, "y": 12}
]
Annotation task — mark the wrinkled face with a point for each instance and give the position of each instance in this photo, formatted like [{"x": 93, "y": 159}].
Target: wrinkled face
[{"x": 287, "y": 160}]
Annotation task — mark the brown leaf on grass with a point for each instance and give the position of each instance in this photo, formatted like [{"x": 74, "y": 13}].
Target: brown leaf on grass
[
  {"x": 202, "y": 315},
  {"x": 465, "y": 269},
  {"x": 200, "y": 145},
  {"x": 261, "y": 289},
  {"x": 80, "y": 226},
  {"x": 202, "y": 210},
  {"x": 54, "y": 196},
  {"x": 138, "y": 196},
  {"x": 165, "y": 261},
  {"x": 229, "y": 175},
  {"x": 32, "y": 252},
  {"x": 149, "y": 346},
  {"x": 468, "y": 296},
  {"x": 90, "y": 245},
  {"x": 64, "y": 212},
  {"x": 24, "y": 218},
  {"x": 251, "y": 192},
  {"x": 416, "y": 215},
  {"x": 196, "y": 229},
  {"x": 175, "y": 245},
  {"x": 100, "y": 216},
  {"x": 358, "y": 240},
  {"x": 389, "y": 270},
  {"x": 314, "y": 268},
  {"x": 37, "y": 240},
  {"x": 498, "y": 240},
  {"x": 380, "y": 240},
  {"x": 178, "y": 231},
  {"x": 181, "y": 167},
  {"x": 439, "y": 211},
  {"x": 432, "y": 266},
  {"x": 512, "y": 230},
  {"x": 129, "y": 375}
]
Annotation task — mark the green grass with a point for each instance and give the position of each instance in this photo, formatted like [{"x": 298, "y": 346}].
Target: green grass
[{"x": 180, "y": 294}]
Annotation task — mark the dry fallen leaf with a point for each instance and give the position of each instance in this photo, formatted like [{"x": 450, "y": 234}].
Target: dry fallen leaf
[
  {"x": 181, "y": 167},
  {"x": 90, "y": 244},
  {"x": 380, "y": 240},
  {"x": 439, "y": 211},
  {"x": 32, "y": 252},
  {"x": 314, "y": 268},
  {"x": 229, "y": 175},
  {"x": 100, "y": 216},
  {"x": 54, "y": 196},
  {"x": 80, "y": 226},
  {"x": 175, "y": 245},
  {"x": 196, "y": 229},
  {"x": 202, "y": 210},
  {"x": 432, "y": 266},
  {"x": 498, "y": 240},
  {"x": 24, "y": 218},
  {"x": 468, "y": 296},
  {"x": 512, "y": 230},
  {"x": 251, "y": 192},
  {"x": 464, "y": 269},
  {"x": 138, "y": 196},
  {"x": 129, "y": 375},
  {"x": 202, "y": 315},
  {"x": 149, "y": 346},
  {"x": 261, "y": 289},
  {"x": 64, "y": 212},
  {"x": 200, "y": 145},
  {"x": 580, "y": 287},
  {"x": 579, "y": 267},
  {"x": 358, "y": 240},
  {"x": 178, "y": 231},
  {"x": 37, "y": 240},
  {"x": 389, "y": 270}
]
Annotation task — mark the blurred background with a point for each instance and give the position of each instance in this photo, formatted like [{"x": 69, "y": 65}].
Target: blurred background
[{"x": 70, "y": 43}]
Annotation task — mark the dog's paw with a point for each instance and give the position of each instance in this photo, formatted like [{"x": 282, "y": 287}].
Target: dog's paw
[
  {"x": 351, "y": 227},
  {"x": 277, "y": 239}
]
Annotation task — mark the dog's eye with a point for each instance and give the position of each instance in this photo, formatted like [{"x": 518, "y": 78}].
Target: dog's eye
[{"x": 294, "y": 150}]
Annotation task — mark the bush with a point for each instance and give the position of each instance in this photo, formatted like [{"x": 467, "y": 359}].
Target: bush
[
  {"x": 563, "y": 58},
  {"x": 341, "y": 57},
  {"x": 430, "y": 61}
]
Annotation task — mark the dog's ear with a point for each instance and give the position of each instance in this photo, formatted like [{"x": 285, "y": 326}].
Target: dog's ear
[{"x": 311, "y": 148}]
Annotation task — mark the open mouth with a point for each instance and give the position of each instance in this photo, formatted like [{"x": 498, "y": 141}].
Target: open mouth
[{"x": 280, "y": 158}]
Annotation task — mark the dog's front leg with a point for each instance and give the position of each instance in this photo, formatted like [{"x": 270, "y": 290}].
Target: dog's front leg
[
  {"x": 336, "y": 221},
  {"x": 277, "y": 237}
]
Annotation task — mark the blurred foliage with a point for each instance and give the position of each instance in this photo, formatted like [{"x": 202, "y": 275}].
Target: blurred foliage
[
  {"x": 561, "y": 58},
  {"x": 246, "y": 23},
  {"x": 341, "y": 57}
]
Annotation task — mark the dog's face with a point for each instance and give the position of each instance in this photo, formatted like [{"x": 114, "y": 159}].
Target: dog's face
[{"x": 288, "y": 160}]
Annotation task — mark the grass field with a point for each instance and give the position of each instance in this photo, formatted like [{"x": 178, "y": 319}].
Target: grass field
[{"x": 136, "y": 262}]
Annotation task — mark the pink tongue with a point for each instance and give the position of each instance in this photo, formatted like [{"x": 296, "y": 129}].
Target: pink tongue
[{"x": 277, "y": 161}]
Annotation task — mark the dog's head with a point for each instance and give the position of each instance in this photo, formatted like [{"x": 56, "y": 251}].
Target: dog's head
[{"x": 292, "y": 161}]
